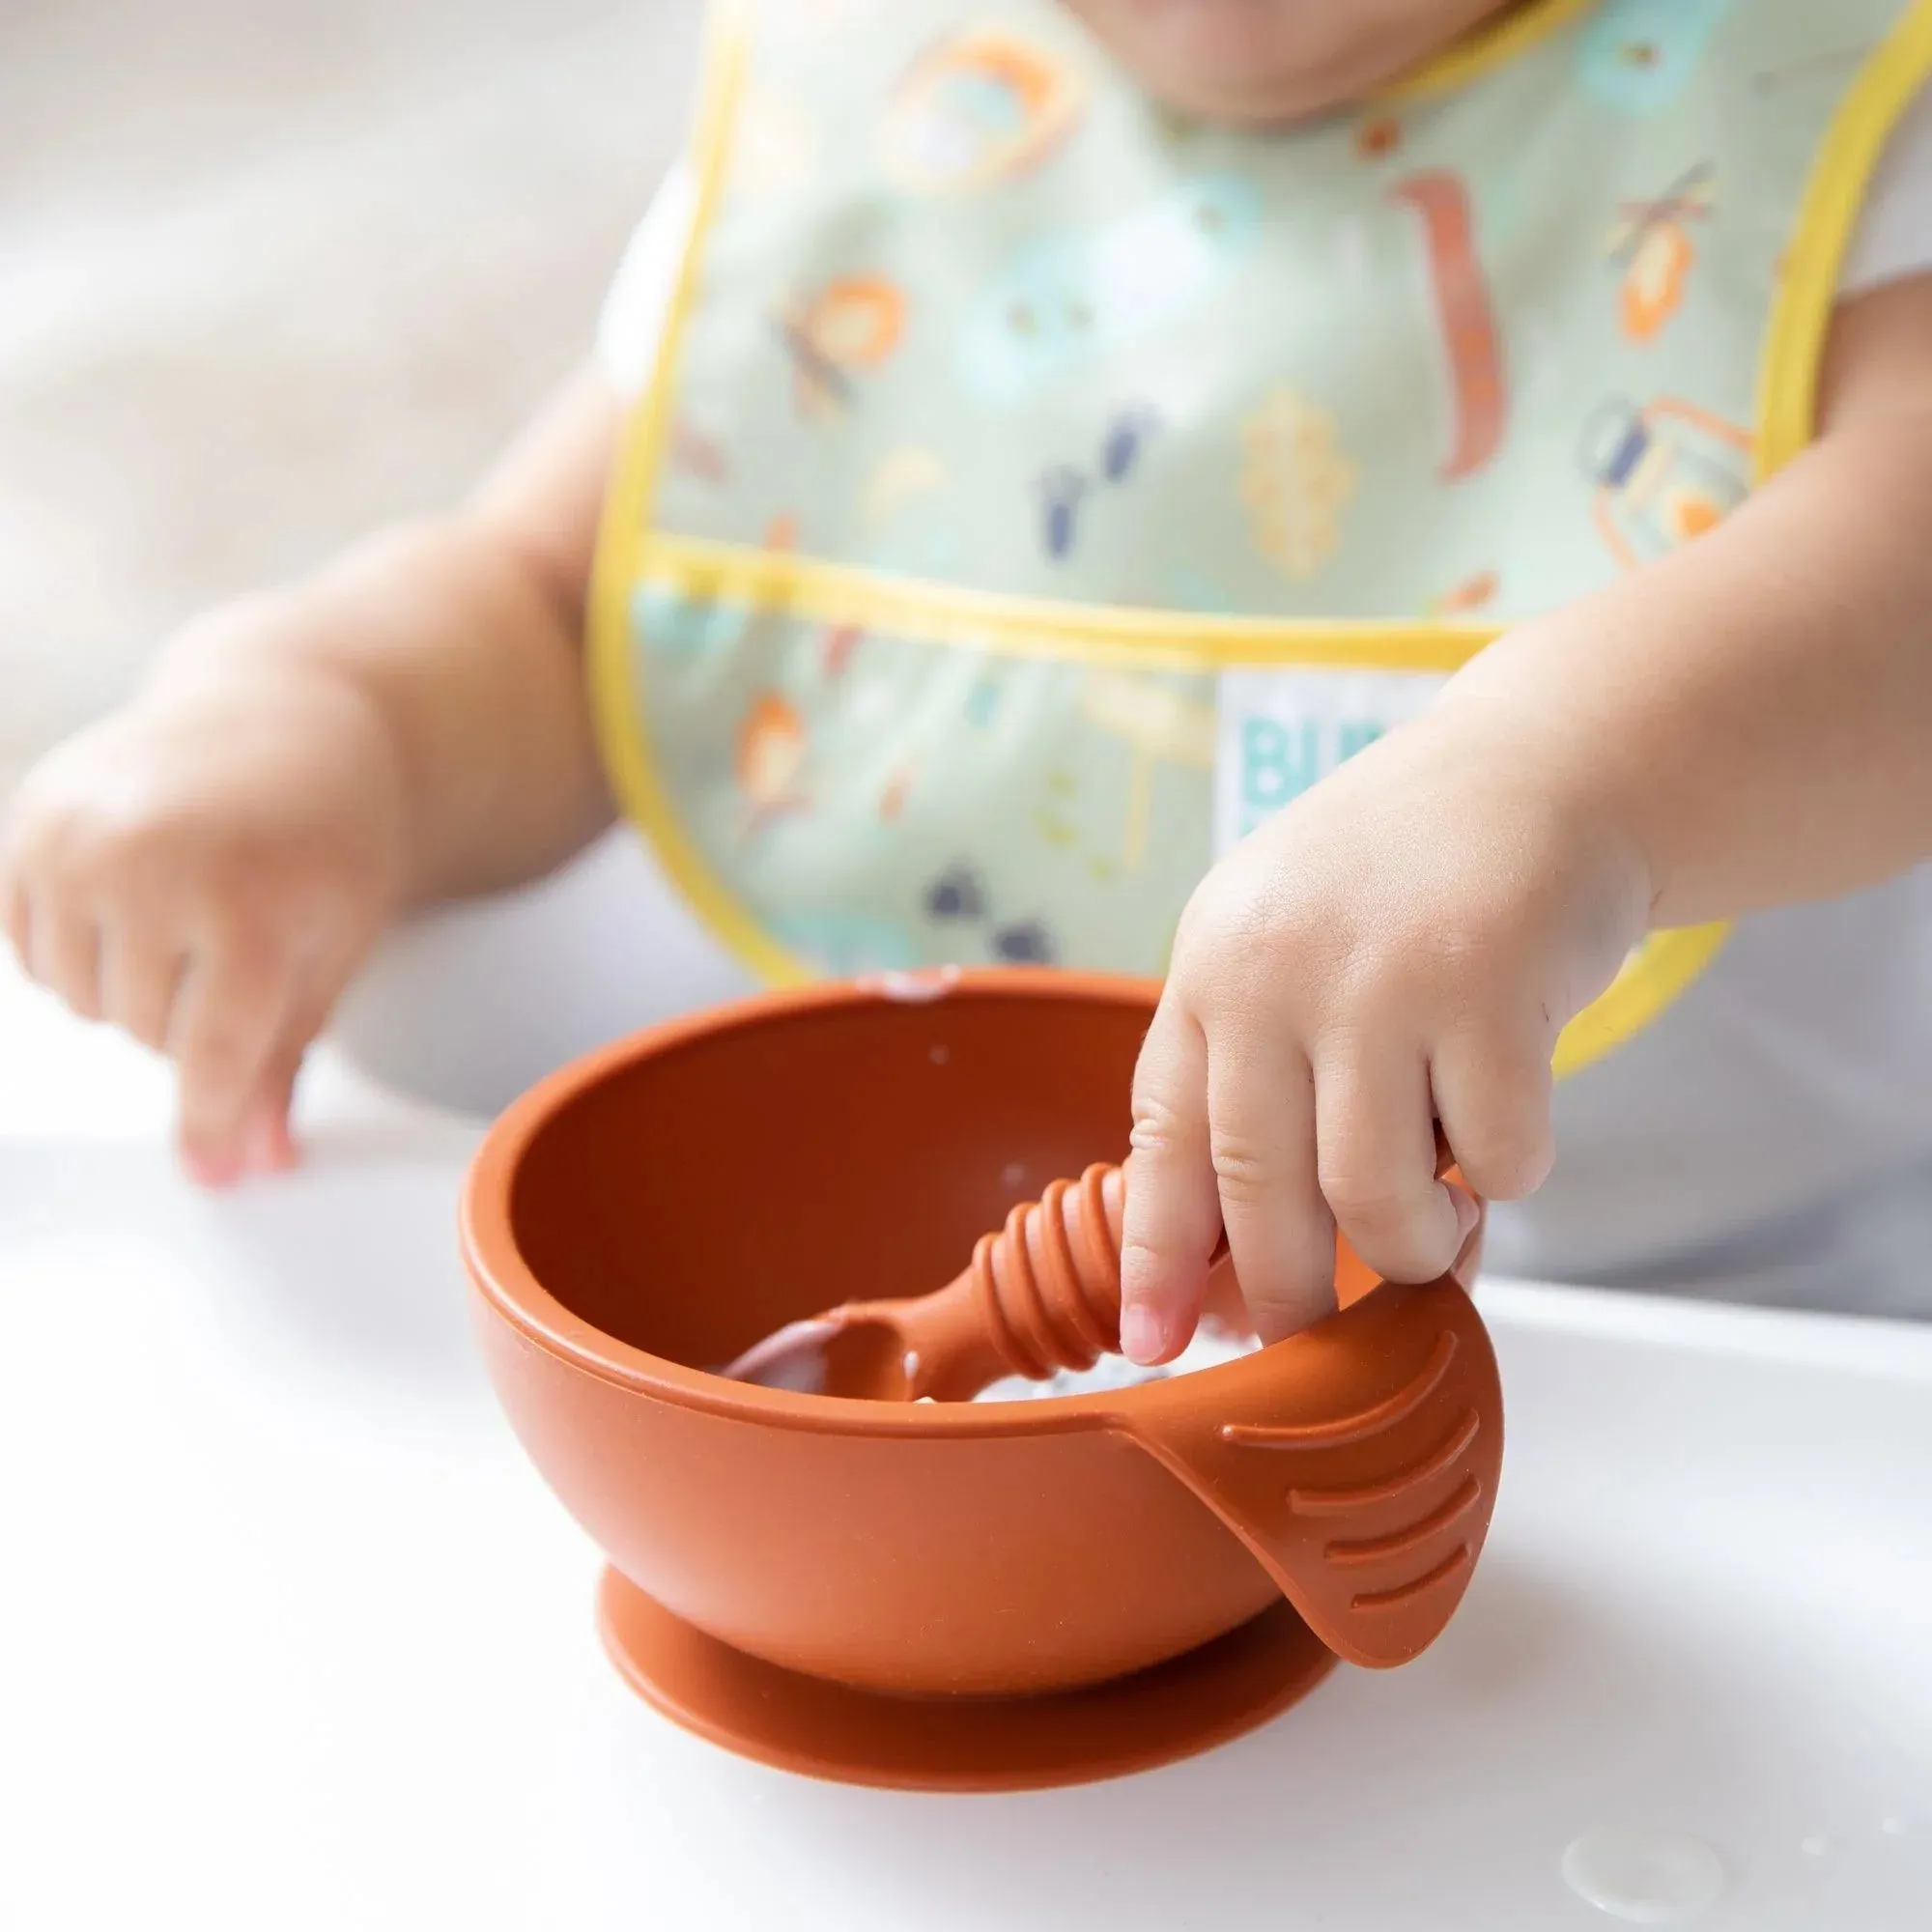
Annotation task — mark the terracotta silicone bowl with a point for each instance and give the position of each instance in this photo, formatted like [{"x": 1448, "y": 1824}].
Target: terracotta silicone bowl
[{"x": 671, "y": 1199}]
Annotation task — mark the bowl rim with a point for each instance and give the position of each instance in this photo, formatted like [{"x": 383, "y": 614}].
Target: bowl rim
[{"x": 509, "y": 1287}]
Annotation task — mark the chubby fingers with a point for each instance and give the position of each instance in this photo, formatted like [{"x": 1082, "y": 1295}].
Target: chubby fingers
[
  {"x": 1235, "y": 1130},
  {"x": 141, "y": 977},
  {"x": 1172, "y": 1221},
  {"x": 1261, "y": 1110},
  {"x": 229, "y": 1019},
  {"x": 1375, "y": 1129},
  {"x": 251, "y": 1003},
  {"x": 1493, "y": 1094},
  {"x": 1224, "y": 1139},
  {"x": 60, "y": 947}
]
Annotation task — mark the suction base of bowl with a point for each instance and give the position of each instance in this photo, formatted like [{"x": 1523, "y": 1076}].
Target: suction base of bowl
[{"x": 970, "y": 1744}]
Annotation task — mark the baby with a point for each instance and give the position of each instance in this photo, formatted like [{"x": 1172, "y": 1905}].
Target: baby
[{"x": 1412, "y": 517}]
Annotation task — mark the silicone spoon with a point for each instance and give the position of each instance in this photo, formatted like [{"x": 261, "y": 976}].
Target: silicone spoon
[{"x": 1043, "y": 1294}]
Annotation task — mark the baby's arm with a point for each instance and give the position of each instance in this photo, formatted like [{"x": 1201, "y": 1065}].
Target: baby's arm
[
  {"x": 1745, "y": 724},
  {"x": 208, "y": 867}
]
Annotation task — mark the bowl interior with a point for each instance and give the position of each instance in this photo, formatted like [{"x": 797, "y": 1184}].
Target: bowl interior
[{"x": 701, "y": 1195}]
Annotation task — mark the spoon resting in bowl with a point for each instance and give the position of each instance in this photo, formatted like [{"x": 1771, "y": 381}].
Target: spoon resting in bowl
[{"x": 1042, "y": 1295}]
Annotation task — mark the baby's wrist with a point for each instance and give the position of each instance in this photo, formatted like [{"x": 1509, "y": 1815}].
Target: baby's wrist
[
  {"x": 1578, "y": 811},
  {"x": 195, "y": 697}
]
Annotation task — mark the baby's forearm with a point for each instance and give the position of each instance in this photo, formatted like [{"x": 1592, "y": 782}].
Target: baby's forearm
[
  {"x": 463, "y": 636},
  {"x": 1757, "y": 709},
  {"x": 473, "y": 674}
]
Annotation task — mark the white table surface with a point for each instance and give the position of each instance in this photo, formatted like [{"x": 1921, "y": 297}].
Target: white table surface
[{"x": 292, "y": 1636}]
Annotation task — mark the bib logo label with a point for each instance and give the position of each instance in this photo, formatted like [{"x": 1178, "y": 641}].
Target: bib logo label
[{"x": 1281, "y": 731}]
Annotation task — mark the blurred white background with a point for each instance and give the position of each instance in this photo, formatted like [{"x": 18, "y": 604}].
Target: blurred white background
[{"x": 273, "y": 271}]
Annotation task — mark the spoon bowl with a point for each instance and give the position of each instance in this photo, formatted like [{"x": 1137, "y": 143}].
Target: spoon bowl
[{"x": 864, "y": 1358}]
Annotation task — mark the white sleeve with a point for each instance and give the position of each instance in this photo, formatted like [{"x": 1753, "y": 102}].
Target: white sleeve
[
  {"x": 1894, "y": 237},
  {"x": 639, "y": 296}
]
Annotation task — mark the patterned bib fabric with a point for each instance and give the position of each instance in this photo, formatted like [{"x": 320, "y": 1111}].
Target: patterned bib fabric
[{"x": 1037, "y": 491}]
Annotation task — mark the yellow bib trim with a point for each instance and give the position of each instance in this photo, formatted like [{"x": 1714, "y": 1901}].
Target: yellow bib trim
[
  {"x": 837, "y": 593},
  {"x": 1793, "y": 342},
  {"x": 1491, "y": 43}
]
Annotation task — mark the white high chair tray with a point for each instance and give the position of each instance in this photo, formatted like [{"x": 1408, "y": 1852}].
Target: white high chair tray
[{"x": 293, "y": 1637}]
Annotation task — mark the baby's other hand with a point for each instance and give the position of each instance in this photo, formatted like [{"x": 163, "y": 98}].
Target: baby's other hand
[
  {"x": 207, "y": 868},
  {"x": 1400, "y": 945}
]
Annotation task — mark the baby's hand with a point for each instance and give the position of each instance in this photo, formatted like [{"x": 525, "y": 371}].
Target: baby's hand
[
  {"x": 206, "y": 870},
  {"x": 1401, "y": 945}
]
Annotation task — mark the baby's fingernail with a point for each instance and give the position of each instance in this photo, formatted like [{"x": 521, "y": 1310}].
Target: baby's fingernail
[
  {"x": 1466, "y": 1213},
  {"x": 268, "y": 1148},
  {"x": 1143, "y": 1337},
  {"x": 207, "y": 1170}
]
